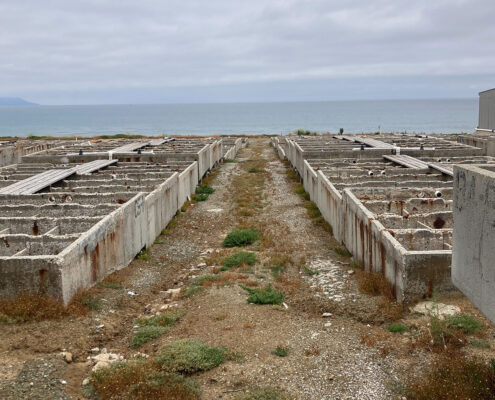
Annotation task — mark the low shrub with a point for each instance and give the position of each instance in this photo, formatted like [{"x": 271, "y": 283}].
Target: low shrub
[
  {"x": 34, "y": 308},
  {"x": 281, "y": 351},
  {"x": 396, "y": 328},
  {"x": 263, "y": 394},
  {"x": 465, "y": 323},
  {"x": 265, "y": 295},
  {"x": 190, "y": 355},
  {"x": 200, "y": 197},
  {"x": 153, "y": 327},
  {"x": 313, "y": 210},
  {"x": 204, "y": 189},
  {"x": 454, "y": 377},
  {"x": 254, "y": 170},
  {"x": 374, "y": 284},
  {"x": 238, "y": 259},
  {"x": 240, "y": 238},
  {"x": 147, "y": 333},
  {"x": 140, "y": 380},
  {"x": 143, "y": 255}
]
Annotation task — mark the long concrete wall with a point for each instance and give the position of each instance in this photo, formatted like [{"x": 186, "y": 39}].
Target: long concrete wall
[
  {"x": 473, "y": 263},
  {"x": 12, "y": 154}
]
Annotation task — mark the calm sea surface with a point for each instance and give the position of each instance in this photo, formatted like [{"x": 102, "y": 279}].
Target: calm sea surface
[{"x": 430, "y": 116}]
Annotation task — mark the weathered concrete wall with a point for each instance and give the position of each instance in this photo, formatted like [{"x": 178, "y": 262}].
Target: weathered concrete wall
[
  {"x": 473, "y": 264},
  {"x": 329, "y": 204},
  {"x": 188, "y": 180},
  {"x": 13, "y": 154}
]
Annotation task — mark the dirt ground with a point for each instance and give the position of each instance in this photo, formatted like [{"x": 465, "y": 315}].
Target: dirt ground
[{"x": 346, "y": 354}]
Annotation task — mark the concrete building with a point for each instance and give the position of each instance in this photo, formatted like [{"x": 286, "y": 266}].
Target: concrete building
[
  {"x": 484, "y": 137},
  {"x": 473, "y": 260},
  {"x": 388, "y": 199},
  {"x": 73, "y": 214},
  {"x": 486, "y": 120}
]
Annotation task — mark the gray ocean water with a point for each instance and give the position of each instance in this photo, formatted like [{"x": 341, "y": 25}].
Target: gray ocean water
[{"x": 429, "y": 116}]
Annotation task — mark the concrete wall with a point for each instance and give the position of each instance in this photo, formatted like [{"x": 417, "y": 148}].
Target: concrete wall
[
  {"x": 13, "y": 154},
  {"x": 473, "y": 263}
]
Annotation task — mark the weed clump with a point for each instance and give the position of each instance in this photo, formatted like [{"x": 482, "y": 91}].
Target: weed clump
[
  {"x": 204, "y": 189},
  {"x": 304, "y": 132},
  {"x": 313, "y": 210},
  {"x": 140, "y": 380},
  {"x": 238, "y": 259},
  {"x": 374, "y": 284},
  {"x": 465, "y": 323},
  {"x": 35, "y": 308},
  {"x": 147, "y": 333},
  {"x": 263, "y": 394},
  {"x": 190, "y": 355},
  {"x": 396, "y": 328},
  {"x": 310, "y": 272},
  {"x": 144, "y": 255},
  {"x": 200, "y": 197},
  {"x": 254, "y": 170},
  {"x": 455, "y": 377},
  {"x": 92, "y": 303},
  {"x": 153, "y": 327},
  {"x": 240, "y": 238},
  {"x": 265, "y": 295},
  {"x": 281, "y": 351}
]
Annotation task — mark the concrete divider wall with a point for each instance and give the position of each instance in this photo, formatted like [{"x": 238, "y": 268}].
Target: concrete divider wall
[
  {"x": 329, "y": 203},
  {"x": 473, "y": 264},
  {"x": 371, "y": 244},
  {"x": 108, "y": 246},
  {"x": 13, "y": 154},
  {"x": 188, "y": 180},
  {"x": 310, "y": 181}
]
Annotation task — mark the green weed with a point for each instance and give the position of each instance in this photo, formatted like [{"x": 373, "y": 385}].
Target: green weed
[
  {"x": 204, "y": 189},
  {"x": 265, "y": 295},
  {"x": 465, "y": 323},
  {"x": 241, "y": 238},
  {"x": 190, "y": 355},
  {"x": 281, "y": 351},
  {"x": 239, "y": 259},
  {"x": 396, "y": 328}
]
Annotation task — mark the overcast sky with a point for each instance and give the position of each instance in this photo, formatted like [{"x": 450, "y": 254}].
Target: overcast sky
[{"x": 152, "y": 51}]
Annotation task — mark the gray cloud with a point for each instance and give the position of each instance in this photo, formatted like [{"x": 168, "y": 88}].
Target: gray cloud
[{"x": 104, "y": 46}]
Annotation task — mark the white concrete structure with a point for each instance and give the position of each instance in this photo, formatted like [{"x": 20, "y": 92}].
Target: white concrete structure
[{"x": 473, "y": 258}]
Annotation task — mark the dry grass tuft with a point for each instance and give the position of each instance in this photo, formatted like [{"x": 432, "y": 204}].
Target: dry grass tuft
[
  {"x": 454, "y": 377},
  {"x": 142, "y": 380},
  {"x": 374, "y": 284},
  {"x": 35, "y": 308},
  {"x": 312, "y": 351}
]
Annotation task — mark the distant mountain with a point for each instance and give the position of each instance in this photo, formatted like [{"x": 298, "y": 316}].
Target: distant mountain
[{"x": 14, "y": 101}]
